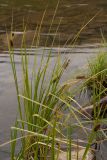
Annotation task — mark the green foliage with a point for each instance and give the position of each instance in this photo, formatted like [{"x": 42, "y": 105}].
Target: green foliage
[{"x": 98, "y": 74}]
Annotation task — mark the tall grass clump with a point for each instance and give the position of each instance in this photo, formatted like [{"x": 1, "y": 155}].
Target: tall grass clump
[
  {"x": 37, "y": 108},
  {"x": 96, "y": 84},
  {"x": 42, "y": 104},
  {"x": 97, "y": 74},
  {"x": 37, "y": 105}
]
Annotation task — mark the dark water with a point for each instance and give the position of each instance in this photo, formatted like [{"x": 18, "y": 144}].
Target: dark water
[{"x": 74, "y": 15}]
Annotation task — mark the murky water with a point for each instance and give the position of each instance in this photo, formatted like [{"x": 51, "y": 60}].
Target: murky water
[{"x": 73, "y": 15}]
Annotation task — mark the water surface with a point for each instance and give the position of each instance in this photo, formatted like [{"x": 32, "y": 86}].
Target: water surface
[{"x": 74, "y": 15}]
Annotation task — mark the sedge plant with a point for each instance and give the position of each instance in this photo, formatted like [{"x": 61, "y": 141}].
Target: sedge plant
[{"x": 41, "y": 104}]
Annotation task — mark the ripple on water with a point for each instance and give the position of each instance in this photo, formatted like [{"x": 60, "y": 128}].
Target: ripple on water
[{"x": 3, "y": 5}]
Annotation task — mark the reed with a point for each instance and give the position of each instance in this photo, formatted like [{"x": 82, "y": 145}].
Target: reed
[{"x": 38, "y": 109}]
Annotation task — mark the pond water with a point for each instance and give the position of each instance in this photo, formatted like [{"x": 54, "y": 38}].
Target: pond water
[{"x": 73, "y": 15}]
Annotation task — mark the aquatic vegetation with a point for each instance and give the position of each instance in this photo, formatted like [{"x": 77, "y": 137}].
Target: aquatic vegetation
[
  {"x": 98, "y": 74},
  {"x": 42, "y": 104},
  {"x": 38, "y": 104},
  {"x": 40, "y": 107}
]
